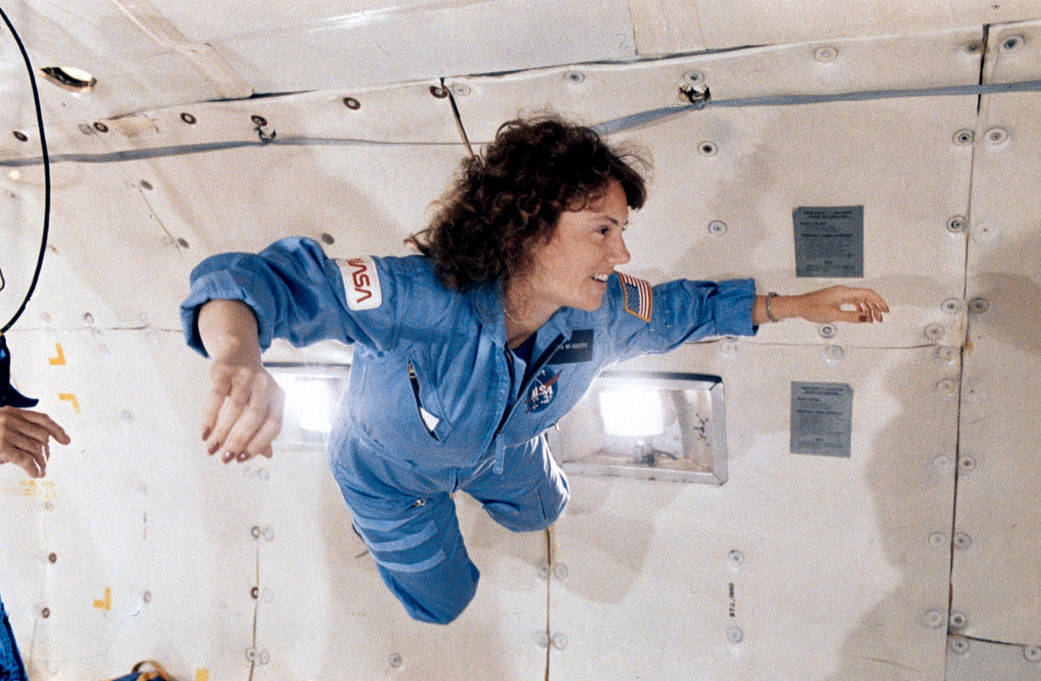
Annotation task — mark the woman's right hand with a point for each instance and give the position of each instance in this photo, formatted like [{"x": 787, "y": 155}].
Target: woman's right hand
[{"x": 243, "y": 413}]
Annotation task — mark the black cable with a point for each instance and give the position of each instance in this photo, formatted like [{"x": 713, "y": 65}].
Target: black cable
[{"x": 46, "y": 176}]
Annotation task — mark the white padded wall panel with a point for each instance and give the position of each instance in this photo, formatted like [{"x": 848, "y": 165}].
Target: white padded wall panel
[
  {"x": 997, "y": 571},
  {"x": 839, "y": 576}
]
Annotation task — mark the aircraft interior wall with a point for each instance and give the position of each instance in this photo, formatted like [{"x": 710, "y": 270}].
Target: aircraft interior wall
[{"x": 911, "y": 553}]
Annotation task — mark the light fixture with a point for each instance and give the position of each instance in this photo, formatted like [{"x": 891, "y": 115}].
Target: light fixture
[{"x": 312, "y": 392}]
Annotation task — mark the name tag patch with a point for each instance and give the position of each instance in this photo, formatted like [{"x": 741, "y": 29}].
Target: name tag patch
[
  {"x": 578, "y": 349},
  {"x": 361, "y": 283}
]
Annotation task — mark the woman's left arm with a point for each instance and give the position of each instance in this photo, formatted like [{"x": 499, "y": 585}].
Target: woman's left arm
[{"x": 832, "y": 304}]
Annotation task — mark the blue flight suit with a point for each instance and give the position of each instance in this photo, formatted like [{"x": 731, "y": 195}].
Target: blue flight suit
[
  {"x": 11, "y": 668},
  {"x": 437, "y": 401}
]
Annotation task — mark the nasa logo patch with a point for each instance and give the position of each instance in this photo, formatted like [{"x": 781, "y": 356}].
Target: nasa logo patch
[
  {"x": 544, "y": 391},
  {"x": 361, "y": 283}
]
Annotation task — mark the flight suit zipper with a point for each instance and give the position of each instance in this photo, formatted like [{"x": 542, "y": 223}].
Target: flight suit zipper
[{"x": 414, "y": 380}]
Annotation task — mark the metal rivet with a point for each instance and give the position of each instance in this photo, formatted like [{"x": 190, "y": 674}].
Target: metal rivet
[
  {"x": 258, "y": 121},
  {"x": 735, "y": 635},
  {"x": 255, "y": 593},
  {"x": 937, "y": 539},
  {"x": 251, "y": 654},
  {"x": 264, "y": 657},
  {"x": 935, "y": 332},
  {"x": 996, "y": 136},
  {"x": 960, "y": 645},
  {"x": 45, "y": 613},
  {"x": 269, "y": 534},
  {"x": 707, "y": 148},
  {"x": 351, "y": 103},
  {"x": 834, "y": 353},
  {"x": 973, "y": 48},
  {"x": 945, "y": 354},
  {"x": 86, "y": 129},
  {"x": 942, "y": 461},
  {"x": 826, "y": 54},
  {"x": 735, "y": 557},
  {"x": 52, "y": 558},
  {"x": 559, "y": 641},
  {"x": 255, "y": 531},
  {"x": 188, "y": 118},
  {"x": 967, "y": 463},
  {"x": 962, "y": 540},
  {"x": 1011, "y": 43},
  {"x": 934, "y": 618},
  {"x": 543, "y": 569},
  {"x": 147, "y": 597},
  {"x": 560, "y": 571},
  {"x": 395, "y": 660},
  {"x": 957, "y": 224},
  {"x": 717, "y": 227},
  {"x": 963, "y": 138},
  {"x": 827, "y": 330},
  {"x": 438, "y": 91},
  {"x": 1032, "y": 653},
  {"x": 693, "y": 77},
  {"x": 958, "y": 620},
  {"x": 543, "y": 640},
  {"x": 100, "y": 127},
  {"x": 951, "y": 306},
  {"x": 947, "y": 387},
  {"x": 88, "y": 317},
  {"x": 575, "y": 77},
  {"x": 979, "y": 305},
  {"x": 20, "y": 136},
  {"x": 461, "y": 90},
  {"x": 328, "y": 238}
]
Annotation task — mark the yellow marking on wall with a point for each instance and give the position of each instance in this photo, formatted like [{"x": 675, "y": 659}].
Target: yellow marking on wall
[
  {"x": 60, "y": 359},
  {"x": 202, "y": 675},
  {"x": 71, "y": 398},
  {"x": 38, "y": 490},
  {"x": 106, "y": 603}
]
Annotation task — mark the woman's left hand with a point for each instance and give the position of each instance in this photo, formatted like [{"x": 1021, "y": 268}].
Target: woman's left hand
[{"x": 836, "y": 304}]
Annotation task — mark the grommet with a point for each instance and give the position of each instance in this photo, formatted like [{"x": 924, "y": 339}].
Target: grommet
[
  {"x": 962, "y": 540},
  {"x": 957, "y": 224},
  {"x": 559, "y": 641},
  {"x": 834, "y": 353},
  {"x": 947, "y": 387},
  {"x": 937, "y": 540},
  {"x": 438, "y": 91},
  {"x": 958, "y": 620},
  {"x": 255, "y": 532},
  {"x": 996, "y": 136},
  {"x": 951, "y": 306},
  {"x": 935, "y": 332},
  {"x": 735, "y": 635},
  {"x": 100, "y": 127},
  {"x": 20, "y": 136},
  {"x": 395, "y": 660},
  {"x": 964, "y": 138},
  {"x": 187, "y": 118},
  {"x": 1011, "y": 43},
  {"x": 543, "y": 569},
  {"x": 259, "y": 121},
  {"x": 967, "y": 463},
  {"x": 575, "y": 77},
  {"x": 934, "y": 619},
  {"x": 461, "y": 90},
  {"x": 946, "y": 354},
  {"x": 735, "y": 557},
  {"x": 560, "y": 571},
  {"x": 827, "y": 330},
  {"x": 826, "y": 54},
  {"x": 542, "y": 640},
  {"x": 351, "y": 103},
  {"x": 717, "y": 228},
  {"x": 694, "y": 78},
  {"x": 959, "y": 645},
  {"x": 45, "y": 613},
  {"x": 52, "y": 558},
  {"x": 251, "y": 654},
  {"x": 1032, "y": 653},
  {"x": 328, "y": 238},
  {"x": 707, "y": 148},
  {"x": 979, "y": 305}
]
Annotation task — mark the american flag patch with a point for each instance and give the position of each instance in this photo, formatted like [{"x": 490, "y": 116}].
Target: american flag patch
[{"x": 636, "y": 295}]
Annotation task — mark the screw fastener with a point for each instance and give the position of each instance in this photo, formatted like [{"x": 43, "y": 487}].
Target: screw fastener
[
  {"x": 1032, "y": 653},
  {"x": 979, "y": 305},
  {"x": 962, "y": 540},
  {"x": 957, "y": 224},
  {"x": 717, "y": 227},
  {"x": 827, "y": 330},
  {"x": 735, "y": 635},
  {"x": 959, "y": 645},
  {"x": 958, "y": 620},
  {"x": 964, "y": 138}
]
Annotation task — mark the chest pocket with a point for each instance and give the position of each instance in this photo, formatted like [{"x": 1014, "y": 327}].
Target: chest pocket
[{"x": 429, "y": 409}]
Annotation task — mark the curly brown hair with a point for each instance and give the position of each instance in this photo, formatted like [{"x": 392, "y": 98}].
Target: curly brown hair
[{"x": 509, "y": 198}]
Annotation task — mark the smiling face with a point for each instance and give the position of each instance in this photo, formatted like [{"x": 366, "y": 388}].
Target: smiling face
[{"x": 572, "y": 267}]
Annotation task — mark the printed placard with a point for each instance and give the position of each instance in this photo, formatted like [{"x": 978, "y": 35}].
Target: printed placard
[
  {"x": 829, "y": 241},
  {"x": 821, "y": 418}
]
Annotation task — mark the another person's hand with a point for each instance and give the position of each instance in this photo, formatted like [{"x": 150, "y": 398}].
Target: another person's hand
[{"x": 25, "y": 439}]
